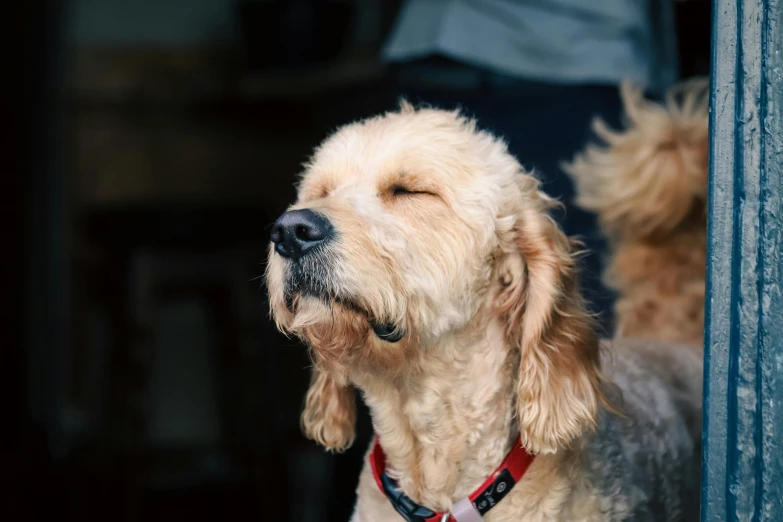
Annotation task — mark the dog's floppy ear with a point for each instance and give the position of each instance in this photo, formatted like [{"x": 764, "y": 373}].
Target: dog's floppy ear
[
  {"x": 559, "y": 382},
  {"x": 329, "y": 415}
]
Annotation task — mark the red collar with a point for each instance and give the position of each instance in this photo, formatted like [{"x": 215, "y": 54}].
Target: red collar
[{"x": 471, "y": 508}]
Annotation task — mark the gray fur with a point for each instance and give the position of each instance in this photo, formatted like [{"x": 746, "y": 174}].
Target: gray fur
[{"x": 647, "y": 463}]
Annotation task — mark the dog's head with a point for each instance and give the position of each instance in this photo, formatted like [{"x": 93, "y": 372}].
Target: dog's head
[{"x": 414, "y": 226}]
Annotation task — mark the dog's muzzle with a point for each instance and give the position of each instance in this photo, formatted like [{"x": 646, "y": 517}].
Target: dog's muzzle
[{"x": 298, "y": 233}]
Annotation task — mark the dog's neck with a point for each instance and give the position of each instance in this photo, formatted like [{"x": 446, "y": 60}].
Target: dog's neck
[{"x": 448, "y": 425}]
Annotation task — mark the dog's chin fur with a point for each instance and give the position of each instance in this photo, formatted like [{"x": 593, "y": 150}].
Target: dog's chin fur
[
  {"x": 341, "y": 337},
  {"x": 338, "y": 328},
  {"x": 440, "y": 232}
]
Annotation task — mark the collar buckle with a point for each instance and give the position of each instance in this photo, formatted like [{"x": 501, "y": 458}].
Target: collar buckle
[{"x": 407, "y": 508}]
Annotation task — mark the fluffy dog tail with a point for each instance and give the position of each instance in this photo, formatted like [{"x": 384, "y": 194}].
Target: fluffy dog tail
[{"x": 648, "y": 186}]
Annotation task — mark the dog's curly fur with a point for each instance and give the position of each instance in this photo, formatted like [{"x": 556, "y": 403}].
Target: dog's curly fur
[
  {"x": 648, "y": 186},
  {"x": 441, "y": 233}
]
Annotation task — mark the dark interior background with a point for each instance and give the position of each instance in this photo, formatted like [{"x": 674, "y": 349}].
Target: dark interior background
[{"x": 142, "y": 378}]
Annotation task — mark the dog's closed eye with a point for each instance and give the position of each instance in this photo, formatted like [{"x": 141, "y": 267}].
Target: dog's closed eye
[{"x": 401, "y": 190}]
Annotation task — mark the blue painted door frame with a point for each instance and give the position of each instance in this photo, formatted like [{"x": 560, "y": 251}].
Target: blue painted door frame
[{"x": 742, "y": 472}]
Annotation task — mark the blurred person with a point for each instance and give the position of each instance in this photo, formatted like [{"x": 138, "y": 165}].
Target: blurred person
[{"x": 537, "y": 72}]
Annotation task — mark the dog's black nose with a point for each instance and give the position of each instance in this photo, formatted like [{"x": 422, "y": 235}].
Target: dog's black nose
[{"x": 297, "y": 232}]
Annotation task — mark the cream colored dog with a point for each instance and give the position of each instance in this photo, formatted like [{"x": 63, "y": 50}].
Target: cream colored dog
[{"x": 420, "y": 264}]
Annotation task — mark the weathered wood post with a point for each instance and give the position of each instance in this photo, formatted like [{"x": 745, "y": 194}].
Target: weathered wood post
[{"x": 743, "y": 418}]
